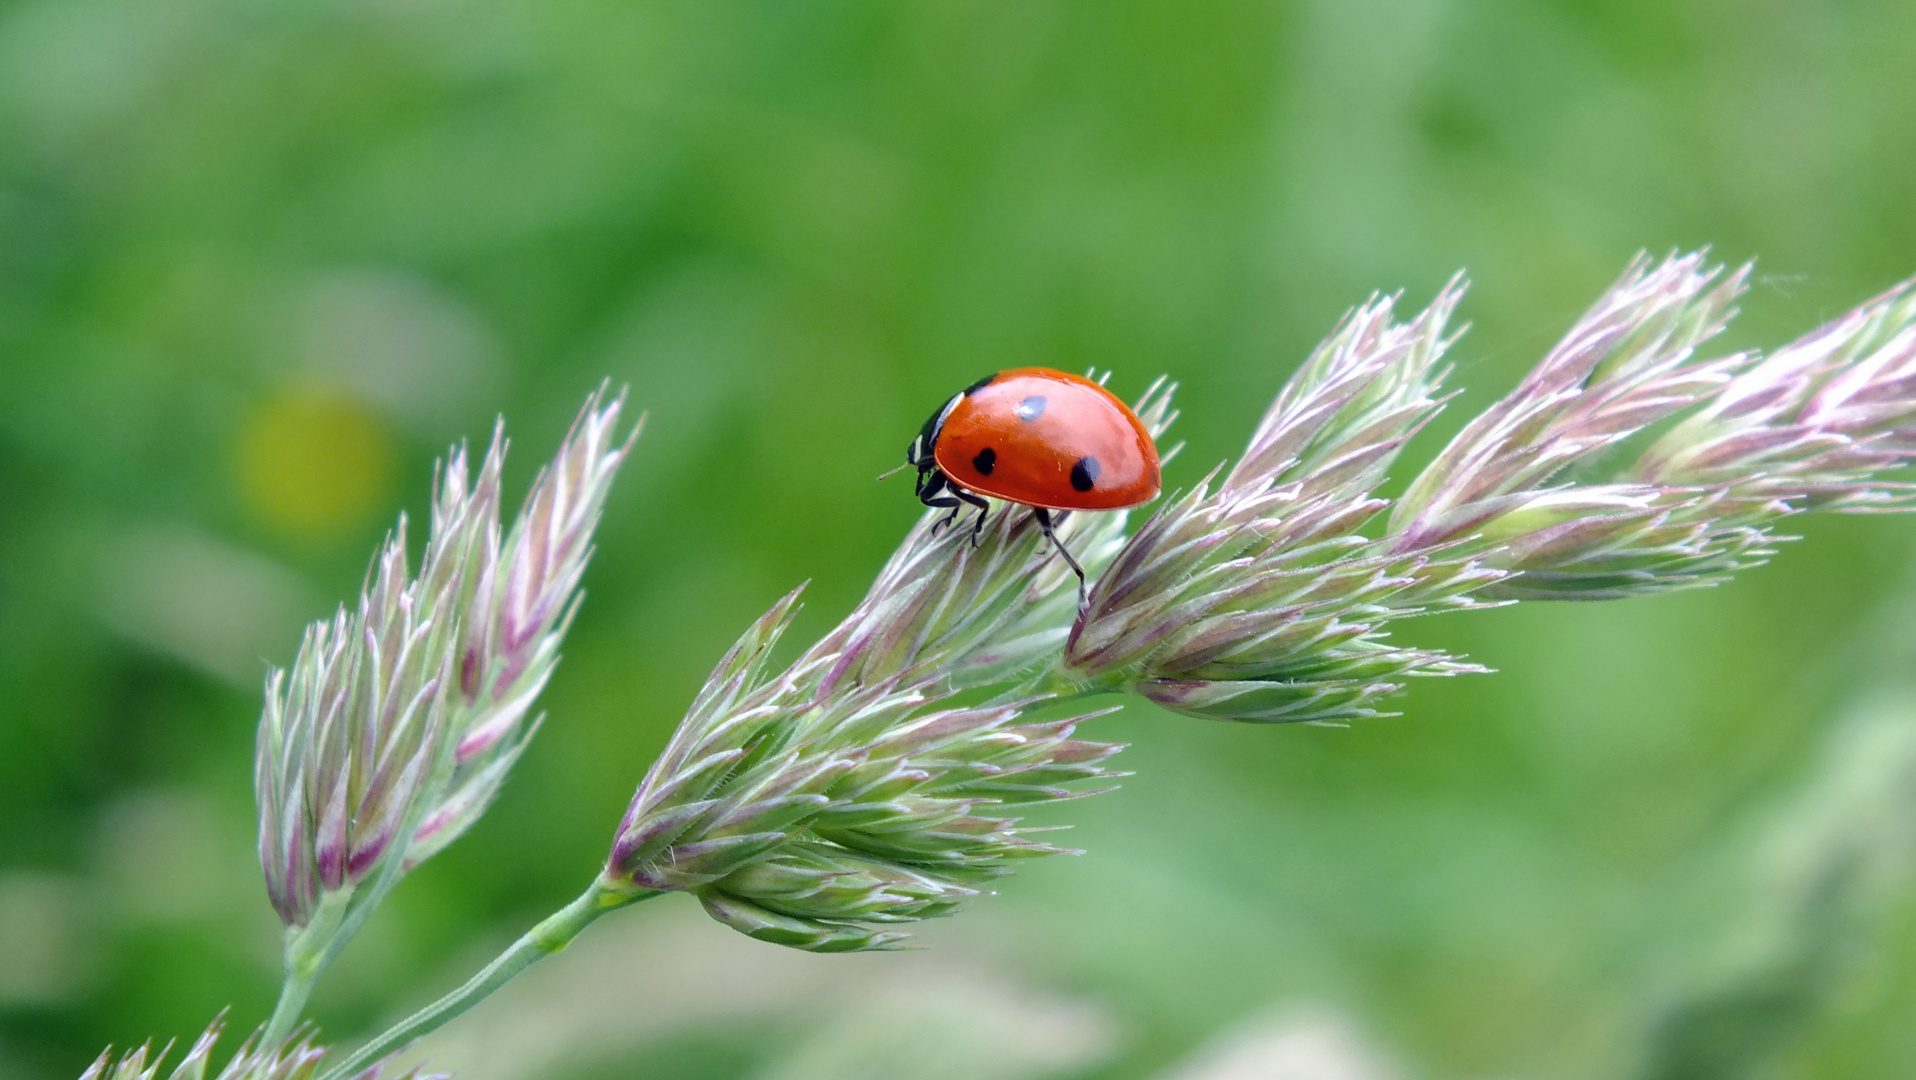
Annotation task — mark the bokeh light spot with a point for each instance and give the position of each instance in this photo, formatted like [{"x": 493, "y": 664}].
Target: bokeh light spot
[
  {"x": 314, "y": 461},
  {"x": 42, "y": 937}
]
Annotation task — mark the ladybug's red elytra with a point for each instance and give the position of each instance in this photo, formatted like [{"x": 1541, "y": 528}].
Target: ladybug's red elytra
[{"x": 1045, "y": 439}]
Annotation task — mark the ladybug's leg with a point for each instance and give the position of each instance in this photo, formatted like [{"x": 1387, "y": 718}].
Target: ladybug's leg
[
  {"x": 948, "y": 518},
  {"x": 984, "y": 511},
  {"x": 936, "y": 492},
  {"x": 936, "y": 489},
  {"x": 1044, "y": 522}
]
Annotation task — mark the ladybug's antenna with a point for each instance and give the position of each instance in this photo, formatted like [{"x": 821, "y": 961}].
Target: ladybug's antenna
[{"x": 889, "y": 473}]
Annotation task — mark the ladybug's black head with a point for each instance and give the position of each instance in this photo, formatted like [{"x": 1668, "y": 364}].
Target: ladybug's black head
[
  {"x": 922, "y": 453},
  {"x": 919, "y": 453}
]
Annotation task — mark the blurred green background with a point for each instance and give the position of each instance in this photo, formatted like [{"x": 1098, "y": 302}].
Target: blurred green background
[{"x": 262, "y": 260}]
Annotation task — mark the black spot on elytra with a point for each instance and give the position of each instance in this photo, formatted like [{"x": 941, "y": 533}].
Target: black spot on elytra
[
  {"x": 981, "y": 384},
  {"x": 1031, "y": 408},
  {"x": 1084, "y": 473},
  {"x": 984, "y": 461}
]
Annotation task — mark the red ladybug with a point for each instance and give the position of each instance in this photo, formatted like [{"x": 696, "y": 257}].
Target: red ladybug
[{"x": 1041, "y": 438}]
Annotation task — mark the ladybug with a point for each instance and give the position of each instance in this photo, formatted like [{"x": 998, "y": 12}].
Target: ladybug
[{"x": 1045, "y": 439}]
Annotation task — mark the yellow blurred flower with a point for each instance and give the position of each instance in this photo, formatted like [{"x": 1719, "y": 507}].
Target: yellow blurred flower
[{"x": 314, "y": 461}]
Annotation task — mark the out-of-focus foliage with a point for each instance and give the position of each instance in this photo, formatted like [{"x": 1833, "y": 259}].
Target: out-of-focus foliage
[{"x": 260, "y": 260}]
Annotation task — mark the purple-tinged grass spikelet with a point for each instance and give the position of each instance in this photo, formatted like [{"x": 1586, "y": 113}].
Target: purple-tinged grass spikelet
[
  {"x": 1757, "y": 439},
  {"x": 399, "y": 721},
  {"x": 811, "y": 808},
  {"x": 294, "y": 1058},
  {"x": 1813, "y": 424},
  {"x": 1629, "y": 362},
  {"x": 350, "y": 737},
  {"x": 408, "y": 712},
  {"x": 1261, "y": 600},
  {"x": 1265, "y": 601},
  {"x": 823, "y": 804},
  {"x": 524, "y": 592}
]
